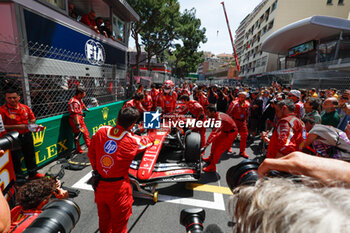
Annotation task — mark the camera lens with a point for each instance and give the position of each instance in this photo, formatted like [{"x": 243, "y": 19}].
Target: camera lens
[
  {"x": 58, "y": 216},
  {"x": 9, "y": 141},
  {"x": 244, "y": 173},
  {"x": 192, "y": 219}
]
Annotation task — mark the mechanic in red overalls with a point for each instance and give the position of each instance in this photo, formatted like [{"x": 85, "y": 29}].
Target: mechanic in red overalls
[
  {"x": 111, "y": 152},
  {"x": 197, "y": 111},
  {"x": 147, "y": 102},
  {"x": 154, "y": 94},
  {"x": 184, "y": 90},
  {"x": 76, "y": 119},
  {"x": 203, "y": 99},
  {"x": 167, "y": 99},
  {"x": 136, "y": 102},
  {"x": 18, "y": 117},
  {"x": 222, "y": 137},
  {"x": 239, "y": 111},
  {"x": 289, "y": 134}
]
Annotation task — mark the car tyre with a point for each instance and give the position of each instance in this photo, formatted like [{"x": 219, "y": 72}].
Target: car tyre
[{"x": 192, "y": 147}]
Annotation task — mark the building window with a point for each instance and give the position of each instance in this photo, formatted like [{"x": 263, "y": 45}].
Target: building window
[
  {"x": 274, "y": 5},
  {"x": 329, "y": 2},
  {"x": 270, "y": 25},
  {"x": 118, "y": 28},
  {"x": 340, "y": 2},
  {"x": 57, "y": 3}
]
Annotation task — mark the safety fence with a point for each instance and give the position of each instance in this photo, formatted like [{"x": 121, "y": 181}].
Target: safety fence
[{"x": 48, "y": 77}]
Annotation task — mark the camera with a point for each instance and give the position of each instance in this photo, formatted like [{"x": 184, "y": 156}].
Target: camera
[
  {"x": 10, "y": 141},
  {"x": 58, "y": 216},
  {"x": 193, "y": 219},
  {"x": 246, "y": 173}
]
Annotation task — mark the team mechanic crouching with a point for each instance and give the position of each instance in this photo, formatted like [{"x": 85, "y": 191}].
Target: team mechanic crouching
[
  {"x": 222, "y": 137},
  {"x": 290, "y": 133},
  {"x": 111, "y": 152}
]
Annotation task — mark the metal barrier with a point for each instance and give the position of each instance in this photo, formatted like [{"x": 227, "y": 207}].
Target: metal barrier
[{"x": 48, "y": 77}]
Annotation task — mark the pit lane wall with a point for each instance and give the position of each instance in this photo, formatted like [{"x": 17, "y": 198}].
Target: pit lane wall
[{"x": 57, "y": 138}]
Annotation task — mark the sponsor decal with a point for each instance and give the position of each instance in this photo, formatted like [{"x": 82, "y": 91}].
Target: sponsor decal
[
  {"x": 38, "y": 137},
  {"x": 110, "y": 147},
  {"x": 176, "y": 172},
  {"x": 105, "y": 111},
  {"x": 107, "y": 161},
  {"x": 156, "y": 142},
  {"x": 95, "y": 52}
]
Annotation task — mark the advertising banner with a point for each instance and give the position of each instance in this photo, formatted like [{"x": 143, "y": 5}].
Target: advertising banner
[{"x": 57, "y": 138}]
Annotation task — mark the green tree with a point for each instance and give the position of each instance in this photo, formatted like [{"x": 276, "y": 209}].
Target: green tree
[
  {"x": 156, "y": 27},
  {"x": 190, "y": 34}
]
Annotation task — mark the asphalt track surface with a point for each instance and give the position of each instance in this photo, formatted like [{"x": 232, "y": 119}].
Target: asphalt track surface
[{"x": 210, "y": 193}]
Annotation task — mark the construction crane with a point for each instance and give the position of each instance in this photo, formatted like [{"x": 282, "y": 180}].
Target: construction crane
[{"x": 229, "y": 30}]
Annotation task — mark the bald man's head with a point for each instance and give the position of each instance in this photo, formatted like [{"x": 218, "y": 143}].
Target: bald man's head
[{"x": 330, "y": 104}]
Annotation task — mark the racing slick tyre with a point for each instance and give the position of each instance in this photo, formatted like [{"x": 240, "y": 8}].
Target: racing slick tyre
[{"x": 193, "y": 147}]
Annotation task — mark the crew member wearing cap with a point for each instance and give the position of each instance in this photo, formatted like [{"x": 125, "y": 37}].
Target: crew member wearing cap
[
  {"x": 222, "y": 137},
  {"x": 239, "y": 111},
  {"x": 294, "y": 95},
  {"x": 17, "y": 117},
  {"x": 76, "y": 119},
  {"x": 167, "y": 99},
  {"x": 93, "y": 103}
]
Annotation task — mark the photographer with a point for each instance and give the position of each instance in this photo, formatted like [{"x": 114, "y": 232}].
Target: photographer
[
  {"x": 31, "y": 197},
  {"x": 281, "y": 205},
  {"x": 5, "y": 216},
  {"x": 315, "y": 202},
  {"x": 327, "y": 171}
]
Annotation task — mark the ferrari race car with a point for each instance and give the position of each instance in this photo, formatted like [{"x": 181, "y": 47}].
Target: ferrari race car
[{"x": 174, "y": 157}]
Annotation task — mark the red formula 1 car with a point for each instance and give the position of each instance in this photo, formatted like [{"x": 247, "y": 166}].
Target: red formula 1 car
[{"x": 174, "y": 157}]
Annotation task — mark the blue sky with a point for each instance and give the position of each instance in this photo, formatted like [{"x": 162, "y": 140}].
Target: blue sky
[{"x": 213, "y": 19}]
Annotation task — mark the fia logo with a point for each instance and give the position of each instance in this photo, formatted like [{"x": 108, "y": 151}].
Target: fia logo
[
  {"x": 151, "y": 120},
  {"x": 94, "y": 52}
]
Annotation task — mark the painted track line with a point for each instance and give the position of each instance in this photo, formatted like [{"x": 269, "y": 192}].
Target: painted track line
[{"x": 217, "y": 204}]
